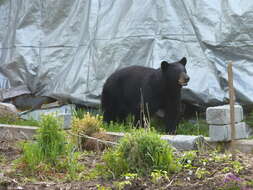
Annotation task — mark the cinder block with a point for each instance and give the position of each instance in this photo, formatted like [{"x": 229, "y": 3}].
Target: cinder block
[
  {"x": 220, "y": 115},
  {"x": 223, "y": 132}
]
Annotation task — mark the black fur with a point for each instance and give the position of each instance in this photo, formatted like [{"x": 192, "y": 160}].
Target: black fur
[{"x": 160, "y": 88}]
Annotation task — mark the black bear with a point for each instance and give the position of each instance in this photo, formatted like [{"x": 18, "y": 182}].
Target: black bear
[{"x": 158, "y": 89}]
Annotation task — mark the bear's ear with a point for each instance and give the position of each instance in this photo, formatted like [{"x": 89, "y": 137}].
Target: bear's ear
[
  {"x": 183, "y": 61},
  {"x": 164, "y": 66}
]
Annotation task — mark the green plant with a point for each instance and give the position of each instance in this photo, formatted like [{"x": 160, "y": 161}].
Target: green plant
[
  {"x": 119, "y": 185},
  {"x": 142, "y": 152},
  {"x": 218, "y": 157},
  {"x": 201, "y": 173},
  {"x": 126, "y": 126},
  {"x": 3, "y": 159},
  {"x": 158, "y": 175},
  {"x": 130, "y": 176},
  {"x": 80, "y": 112},
  {"x": 188, "y": 156},
  {"x": 51, "y": 138},
  {"x": 198, "y": 127},
  {"x": 249, "y": 119},
  {"x": 70, "y": 165},
  {"x": 237, "y": 166},
  {"x": 88, "y": 125},
  {"x": 50, "y": 151},
  {"x": 186, "y": 160},
  {"x": 99, "y": 187}
]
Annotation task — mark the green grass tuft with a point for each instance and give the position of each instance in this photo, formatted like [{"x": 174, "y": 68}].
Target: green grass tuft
[
  {"x": 50, "y": 152},
  {"x": 142, "y": 152},
  {"x": 199, "y": 127}
]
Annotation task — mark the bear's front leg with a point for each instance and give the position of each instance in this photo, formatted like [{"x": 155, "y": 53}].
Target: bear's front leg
[{"x": 172, "y": 116}]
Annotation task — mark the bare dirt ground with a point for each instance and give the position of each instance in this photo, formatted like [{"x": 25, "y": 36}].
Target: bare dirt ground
[{"x": 217, "y": 172}]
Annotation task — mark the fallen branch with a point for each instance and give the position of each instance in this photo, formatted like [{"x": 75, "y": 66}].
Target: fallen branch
[{"x": 93, "y": 138}]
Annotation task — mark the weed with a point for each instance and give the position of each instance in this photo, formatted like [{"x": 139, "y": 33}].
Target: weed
[
  {"x": 78, "y": 113},
  {"x": 201, "y": 173},
  {"x": 198, "y": 127},
  {"x": 130, "y": 176},
  {"x": 51, "y": 139},
  {"x": 226, "y": 170},
  {"x": 99, "y": 187},
  {"x": 94, "y": 173},
  {"x": 249, "y": 119},
  {"x": 120, "y": 185},
  {"x": 3, "y": 159},
  {"x": 188, "y": 156},
  {"x": 126, "y": 126},
  {"x": 158, "y": 175},
  {"x": 142, "y": 152},
  {"x": 88, "y": 125},
  {"x": 81, "y": 112},
  {"x": 219, "y": 157},
  {"x": 50, "y": 152},
  {"x": 237, "y": 166}
]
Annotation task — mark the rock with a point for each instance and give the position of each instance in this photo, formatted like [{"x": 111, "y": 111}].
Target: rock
[{"x": 8, "y": 111}]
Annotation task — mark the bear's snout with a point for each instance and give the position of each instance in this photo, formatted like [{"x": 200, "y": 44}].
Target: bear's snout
[
  {"x": 183, "y": 79},
  {"x": 187, "y": 78}
]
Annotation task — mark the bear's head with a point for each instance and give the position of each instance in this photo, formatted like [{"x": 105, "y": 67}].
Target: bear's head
[{"x": 175, "y": 73}]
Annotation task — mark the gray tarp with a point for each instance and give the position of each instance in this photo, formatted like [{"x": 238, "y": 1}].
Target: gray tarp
[{"x": 67, "y": 48}]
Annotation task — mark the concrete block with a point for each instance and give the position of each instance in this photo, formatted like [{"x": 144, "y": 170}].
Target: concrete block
[
  {"x": 223, "y": 132},
  {"x": 15, "y": 132},
  {"x": 220, "y": 115}
]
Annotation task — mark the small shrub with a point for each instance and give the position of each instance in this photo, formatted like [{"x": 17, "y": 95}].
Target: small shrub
[
  {"x": 142, "y": 152},
  {"x": 50, "y": 151},
  {"x": 88, "y": 125},
  {"x": 51, "y": 138}
]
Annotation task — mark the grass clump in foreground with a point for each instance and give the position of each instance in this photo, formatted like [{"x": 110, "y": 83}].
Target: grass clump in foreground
[
  {"x": 141, "y": 152},
  {"x": 50, "y": 152}
]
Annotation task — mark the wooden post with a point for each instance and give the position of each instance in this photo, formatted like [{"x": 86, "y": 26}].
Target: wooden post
[{"x": 231, "y": 100}]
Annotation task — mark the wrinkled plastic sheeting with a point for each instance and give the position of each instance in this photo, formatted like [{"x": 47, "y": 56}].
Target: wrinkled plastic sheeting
[{"x": 66, "y": 49}]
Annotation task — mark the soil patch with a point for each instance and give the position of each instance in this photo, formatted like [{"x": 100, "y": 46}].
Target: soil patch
[{"x": 213, "y": 174}]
